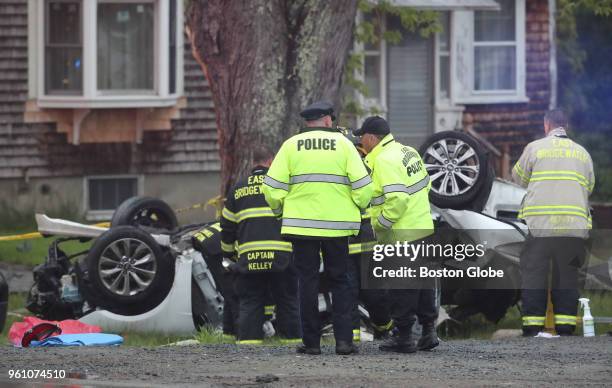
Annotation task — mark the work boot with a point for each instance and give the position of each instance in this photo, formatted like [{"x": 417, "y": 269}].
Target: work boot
[
  {"x": 401, "y": 343},
  {"x": 303, "y": 349},
  {"x": 429, "y": 337},
  {"x": 345, "y": 348}
]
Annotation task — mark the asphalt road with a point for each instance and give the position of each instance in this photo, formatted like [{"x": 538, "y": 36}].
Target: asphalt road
[{"x": 538, "y": 362}]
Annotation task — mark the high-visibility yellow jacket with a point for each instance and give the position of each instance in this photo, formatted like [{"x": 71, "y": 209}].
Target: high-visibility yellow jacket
[
  {"x": 558, "y": 175},
  {"x": 318, "y": 183},
  {"x": 400, "y": 200}
]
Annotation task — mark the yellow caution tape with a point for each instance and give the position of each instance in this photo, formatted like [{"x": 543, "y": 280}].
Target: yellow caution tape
[
  {"x": 215, "y": 202},
  {"x": 25, "y": 236}
]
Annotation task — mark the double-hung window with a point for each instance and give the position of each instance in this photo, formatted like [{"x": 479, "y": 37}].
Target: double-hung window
[{"x": 490, "y": 49}]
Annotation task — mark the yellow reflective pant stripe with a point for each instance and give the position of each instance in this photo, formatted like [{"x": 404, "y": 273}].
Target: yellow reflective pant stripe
[
  {"x": 250, "y": 342},
  {"x": 534, "y": 320},
  {"x": 290, "y": 341},
  {"x": 356, "y": 334},
  {"x": 384, "y": 327},
  {"x": 269, "y": 309},
  {"x": 225, "y": 247},
  {"x": 565, "y": 319},
  {"x": 356, "y": 248}
]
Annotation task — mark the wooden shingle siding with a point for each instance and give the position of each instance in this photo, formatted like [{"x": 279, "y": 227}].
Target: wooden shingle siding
[
  {"x": 38, "y": 150},
  {"x": 514, "y": 125}
]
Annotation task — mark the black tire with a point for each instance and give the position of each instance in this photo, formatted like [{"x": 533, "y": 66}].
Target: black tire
[
  {"x": 4, "y": 293},
  {"x": 122, "y": 252},
  {"x": 145, "y": 211},
  {"x": 458, "y": 166}
]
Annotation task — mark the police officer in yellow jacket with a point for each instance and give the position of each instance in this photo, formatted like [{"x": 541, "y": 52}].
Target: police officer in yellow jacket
[
  {"x": 558, "y": 175},
  {"x": 318, "y": 184},
  {"x": 251, "y": 233},
  {"x": 401, "y": 212}
]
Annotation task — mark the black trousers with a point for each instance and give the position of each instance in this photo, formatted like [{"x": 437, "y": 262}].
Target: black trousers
[
  {"x": 253, "y": 294},
  {"x": 409, "y": 304},
  {"x": 230, "y": 304},
  {"x": 337, "y": 270},
  {"x": 566, "y": 254},
  {"x": 373, "y": 300}
]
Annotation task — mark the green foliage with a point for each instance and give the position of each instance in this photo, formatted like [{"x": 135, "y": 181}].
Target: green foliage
[
  {"x": 600, "y": 148},
  {"x": 33, "y": 252},
  {"x": 370, "y": 31},
  {"x": 12, "y": 219},
  {"x": 584, "y": 59}
]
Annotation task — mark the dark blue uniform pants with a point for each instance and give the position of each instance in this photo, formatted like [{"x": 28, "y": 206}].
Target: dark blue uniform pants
[
  {"x": 337, "y": 269},
  {"x": 253, "y": 293}
]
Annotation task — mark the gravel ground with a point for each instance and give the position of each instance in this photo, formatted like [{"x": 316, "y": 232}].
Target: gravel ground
[{"x": 533, "y": 362}]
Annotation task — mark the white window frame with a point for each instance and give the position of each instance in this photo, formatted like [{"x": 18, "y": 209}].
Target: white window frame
[
  {"x": 471, "y": 96},
  {"x": 91, "y": 96},
  {"x": 106, "y": 214},
  {"x": 439, "y": 100},
  {"x": 367, "y": 102}
]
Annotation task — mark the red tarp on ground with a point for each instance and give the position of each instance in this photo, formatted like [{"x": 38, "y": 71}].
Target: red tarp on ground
[{"x": 68, "y": 326}]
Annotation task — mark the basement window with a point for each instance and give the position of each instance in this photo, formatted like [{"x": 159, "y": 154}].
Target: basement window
[
  {"x": 103, "y": 194},
  {"x": 108, "y": 53}
]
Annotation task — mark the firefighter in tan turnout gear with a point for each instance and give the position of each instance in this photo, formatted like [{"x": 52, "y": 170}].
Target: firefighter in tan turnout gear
[{"x": 558, "y": 175}]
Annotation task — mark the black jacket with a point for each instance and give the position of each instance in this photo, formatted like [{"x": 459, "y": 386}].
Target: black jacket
[{"x": 249, "y": 229}]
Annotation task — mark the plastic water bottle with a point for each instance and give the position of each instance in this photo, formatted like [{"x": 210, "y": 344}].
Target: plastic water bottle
[
  {"x": 70, "y": 292},
  {"x": 588, "y": 325}
]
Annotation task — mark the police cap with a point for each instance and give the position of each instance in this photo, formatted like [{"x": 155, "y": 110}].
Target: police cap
[
  {"x": 317, "y": 110},
  {"x": 375, "y": 125}
]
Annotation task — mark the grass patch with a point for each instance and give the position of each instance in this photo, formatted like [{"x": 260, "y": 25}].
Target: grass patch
[
  {"x": 16, "y": 309},
  {"x": 478, "y": 327},
  {"x": 33, "y": 251}
]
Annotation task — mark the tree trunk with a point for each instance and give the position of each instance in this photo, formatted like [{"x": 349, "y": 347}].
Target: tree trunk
[{"x": 265, "y": 60}]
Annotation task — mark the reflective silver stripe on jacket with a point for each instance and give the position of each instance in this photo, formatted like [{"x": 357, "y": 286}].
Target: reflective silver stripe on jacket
[
  {"x": 420, "y": 185},
  {"x": 366, "y": 180},
  {"x": 325, "y": 178},
  {"x": 268, "y": 180},
  {"x": 337, "y": 225},
  {"x": 377, "y": 200},
  {"x": 384, "y": 222}
]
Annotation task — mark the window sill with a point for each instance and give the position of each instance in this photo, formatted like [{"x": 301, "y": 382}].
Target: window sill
[
  {"x": 492, "y": 99},
  {"x": 106, "y": 102},
  {"x": 99, "y": 215}
]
